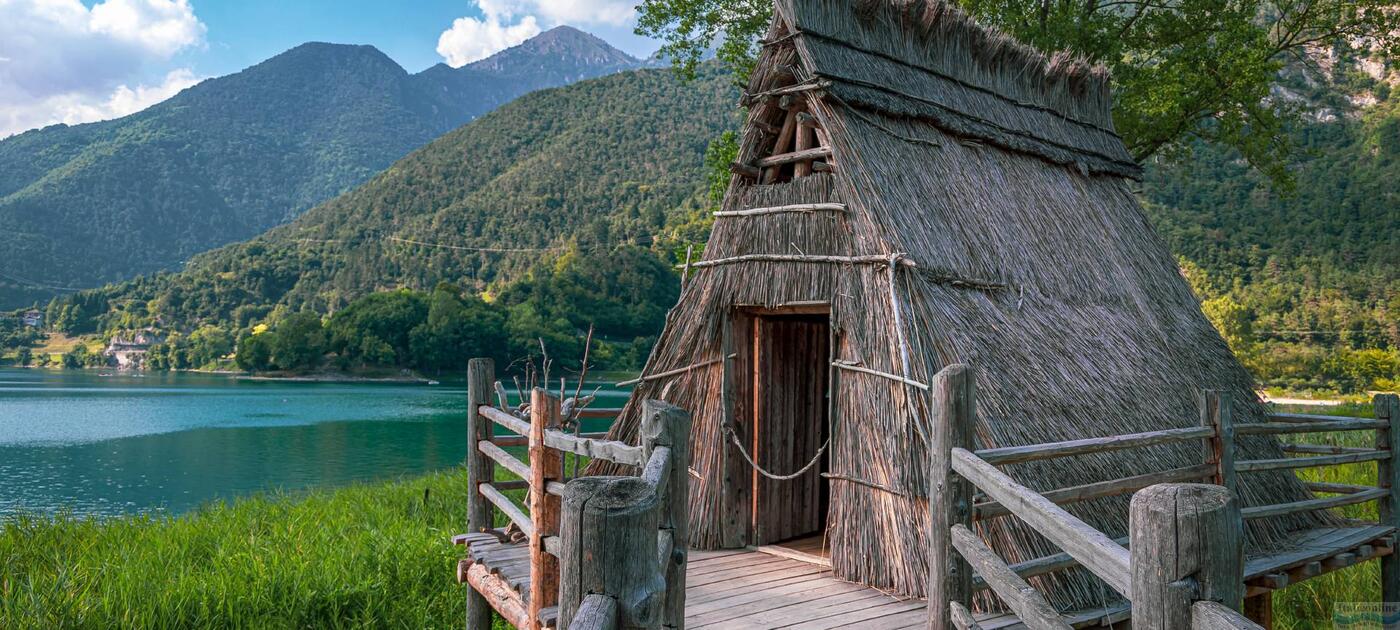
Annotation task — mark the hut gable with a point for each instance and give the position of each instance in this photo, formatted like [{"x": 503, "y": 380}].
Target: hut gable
[{"x": 963, "y": 199}]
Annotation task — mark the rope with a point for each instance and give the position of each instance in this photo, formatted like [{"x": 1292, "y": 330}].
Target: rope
[{"x": 734, "y": 438}]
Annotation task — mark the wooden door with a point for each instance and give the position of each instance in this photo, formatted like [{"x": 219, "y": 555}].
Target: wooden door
[{"x": 790, "y": 365}]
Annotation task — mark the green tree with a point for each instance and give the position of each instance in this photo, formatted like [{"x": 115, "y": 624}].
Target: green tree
[
  {"x": 24, "y": 356},
  {"x": 255, "y": 352},
  {"x": 1185, "y": 70},
  {"x": 300, "y": 342}
]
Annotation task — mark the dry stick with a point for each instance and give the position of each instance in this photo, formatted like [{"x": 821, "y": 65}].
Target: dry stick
[
  {"x": 806, "y": 208},
  {"x": 643, "y": 379},
  {"x": 583, "y": 374},
  {"x": 899, "y": 334},
  {"x": 686, "y": 274},
  {"x": 847, "y": 365}
]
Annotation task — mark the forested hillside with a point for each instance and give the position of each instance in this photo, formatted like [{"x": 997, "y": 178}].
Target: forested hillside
[
  {"x": 552, "y": 205},
  {"x": 231, "y": 157},
  {"x": 566, "y": 208}
]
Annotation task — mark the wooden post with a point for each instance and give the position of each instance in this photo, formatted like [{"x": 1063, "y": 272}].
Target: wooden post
[
  {"x": 1187, "y": 545},
  {"x": 546, "y": 465},
  {"x": 608, "y": 547},
  {"x": 950, "y": 496},
  {"x": 1387, "y": 408},
  {"x": 481, "y": 376},
  {"x": 669, "y": 426},
  {"x": 1220, "y": 448}
]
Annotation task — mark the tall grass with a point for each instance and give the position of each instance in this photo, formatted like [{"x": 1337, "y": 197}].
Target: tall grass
[
  {"x": 1309, "y": 604},
  {"x": 374, "y": 555}
]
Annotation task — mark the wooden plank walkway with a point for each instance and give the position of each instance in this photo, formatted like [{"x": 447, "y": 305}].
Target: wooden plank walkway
[{"x": 747, "y": 589}]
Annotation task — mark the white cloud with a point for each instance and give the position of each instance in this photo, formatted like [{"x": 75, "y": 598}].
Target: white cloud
[
  {"x": 471, "y": 39},
  {"x": 65, "y": 62},
  {"x": 505, "y": 23}
]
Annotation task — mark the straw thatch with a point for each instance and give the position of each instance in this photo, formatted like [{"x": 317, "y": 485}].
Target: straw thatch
[{"x": 997, "y": 172}]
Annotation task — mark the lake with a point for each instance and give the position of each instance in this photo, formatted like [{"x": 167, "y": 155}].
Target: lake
[{"x": 168, "y": 442}]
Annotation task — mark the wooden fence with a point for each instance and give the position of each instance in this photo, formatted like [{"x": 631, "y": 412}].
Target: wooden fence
[
  {"x": 604, "y": 552},
  {"x": 1186, "y": 564}
]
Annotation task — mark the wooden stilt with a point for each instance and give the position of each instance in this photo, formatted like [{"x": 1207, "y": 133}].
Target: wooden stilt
[
  {"x": 950, "y": 496},
  {"x": 1260, "y": 610},
  {"x": 481, "y": 375}
]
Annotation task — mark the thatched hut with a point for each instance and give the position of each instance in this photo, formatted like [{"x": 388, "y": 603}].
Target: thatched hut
[{"x": 914, "y": 190}]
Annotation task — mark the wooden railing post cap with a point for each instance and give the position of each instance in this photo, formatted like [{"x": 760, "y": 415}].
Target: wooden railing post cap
[
  {"x": 612, "y": 495},
  {"x": 1164, "y": 497},
  {"x": 955, "y": 369},
  {"x": 480, "y": 362}
]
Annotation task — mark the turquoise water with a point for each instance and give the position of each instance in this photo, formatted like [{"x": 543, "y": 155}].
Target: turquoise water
[{"x": 100, "y": 445}]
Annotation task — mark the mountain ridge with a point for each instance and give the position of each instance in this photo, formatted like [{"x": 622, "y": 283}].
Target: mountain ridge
[{"x": 232, "y": 156}]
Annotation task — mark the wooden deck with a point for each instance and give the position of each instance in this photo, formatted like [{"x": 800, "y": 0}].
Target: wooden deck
[{"x": 791, "y": 585}]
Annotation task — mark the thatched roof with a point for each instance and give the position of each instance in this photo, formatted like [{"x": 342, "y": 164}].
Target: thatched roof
[{"x": 996, "y": 171}]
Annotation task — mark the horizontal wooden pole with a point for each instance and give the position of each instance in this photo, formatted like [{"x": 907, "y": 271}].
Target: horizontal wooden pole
[
  {"x": 506, "y": 419},
  {"x": 499, "y": 594},
  {"x": 611, "y": 450},
  {"x": 845, "y": 365},
  {"x": 1020, "y": 454},
  {"x": 555, "y": 488},
  {"x": 522, "y": 440},
  {"x": 1112, "y": 487},
  {"x": 511, "y": 510},
  {"x": 1042, "y": 565},
  {"x": 1278, "y": 428},
  {"x": 679, "y": 370},
  {"x": 1255, "y": 465},
  {"x": 1322, "y": 449},
  {"x": 1336, "y": 488},
  {"x": 744, "y": 170},
  {"x": 795, "y": 156},
  {"x": 1028, "y": 604},
  {"x": 1089, "y": 546},
  {"x": 521, "y": 469},
  {"x": 1211, "y": 615},
  {"x": 1307, "y": 417},
  {"x": 806, "y": 208},
  {"x": 512, "y": 484},
  {"x": 962, "y": 617},
  {"x": 1279, "y": 509},
  {"x": 597, "y": 412}
]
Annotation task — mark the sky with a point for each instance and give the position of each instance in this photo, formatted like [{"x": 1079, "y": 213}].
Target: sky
[{"x": 75, "y": 61}]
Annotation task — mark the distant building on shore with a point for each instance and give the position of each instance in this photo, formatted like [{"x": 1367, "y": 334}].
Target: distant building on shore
[
  {"x": 130, "y": 351},
  {"x": 33, "y": 318}
]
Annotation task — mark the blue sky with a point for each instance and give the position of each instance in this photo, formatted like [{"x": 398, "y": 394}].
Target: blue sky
[{"x": 77, "y": 61}]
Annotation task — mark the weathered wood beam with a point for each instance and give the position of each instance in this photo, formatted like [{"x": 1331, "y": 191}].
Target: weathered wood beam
[
  {"x": 1112, "y": 487},
  {"x": 1028, "y": 604},
  {"x": 519, "y": 468},
  {"x": 805, "y": 208},
  {"x": 481, "y": 380},
  {"x": 1387, "y": 410},
  {"x": 745, "y": 170},
  {"x": 666, "y": 435},
  {"x": 499, "y": 595},
  {"x": 1187, "y": 546},
  {"x": 1336, "y": 488},
  {"x": 507, "y": 420},
  {"x": 1306, "y": 418},
  {"x": 1220, "y": 446},
  {"x": 1277, "y": 428},
  {"x": 1323, "y": 449},
  {"x": 598, "y": 612},
  {"x": 1208, "y": 615},
  {"x": 962, "y": 617},
  {"x": 511, "y": 510},
  {"x": 779, "y": 159},
  {"x": 1279, "y": 509},
  {"x": 1021, "y": 454},
  {"x": 546, "y": 466},
  {"x": 1042, "y": 565},
  {"x": 1089, "y": 546},
  {"x": 1254, "y": 465},
  {"x": 954, "y": 410},
  {"x": 611, "y": 450}
]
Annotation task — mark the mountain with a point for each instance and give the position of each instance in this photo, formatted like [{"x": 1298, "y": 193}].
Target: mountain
[
  {"x": 233, "y": 156},
  {"x": 582, "y": 168}
]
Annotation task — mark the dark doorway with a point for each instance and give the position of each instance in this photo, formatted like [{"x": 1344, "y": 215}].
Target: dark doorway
[{"x": 783, "y": 377}]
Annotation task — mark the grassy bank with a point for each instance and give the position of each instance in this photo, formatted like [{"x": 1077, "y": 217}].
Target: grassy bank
[
  {"x": 364, "y": 556},
  {"x": 374, "y": 555}
]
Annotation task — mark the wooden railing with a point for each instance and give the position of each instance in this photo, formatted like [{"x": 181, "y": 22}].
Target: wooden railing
[
  {"x": 1185, "y": 567},
  {"x": 633, "y": 528}
]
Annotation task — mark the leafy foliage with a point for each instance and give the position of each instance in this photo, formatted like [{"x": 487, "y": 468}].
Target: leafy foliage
[{"x": 1182, "y": 71}]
